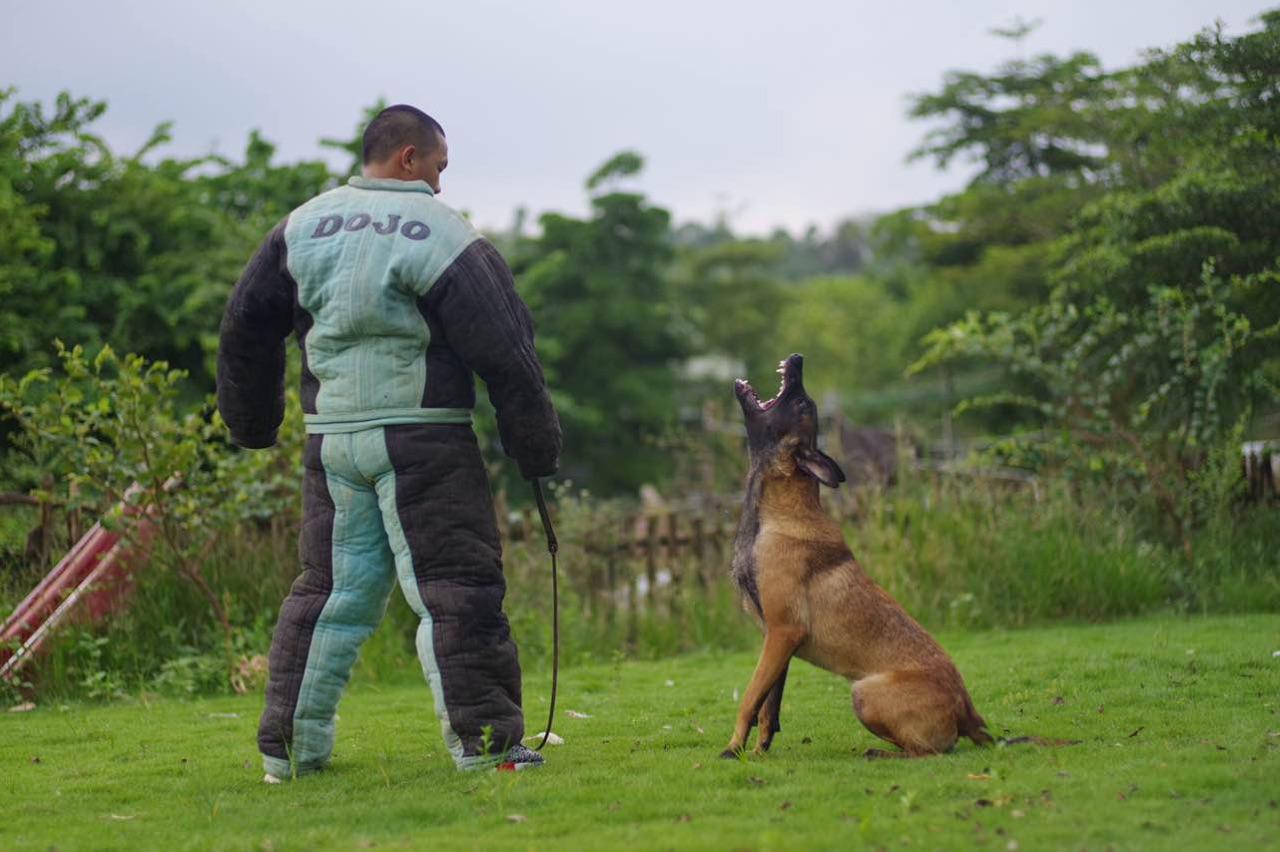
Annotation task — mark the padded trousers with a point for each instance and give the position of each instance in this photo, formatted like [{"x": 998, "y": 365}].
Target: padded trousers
[{"x": 407, "y": 505}]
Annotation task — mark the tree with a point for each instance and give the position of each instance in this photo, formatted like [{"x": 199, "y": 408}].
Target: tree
[
  {"x": 126, "y": 250},
  {"x": 1159, "y": 335},
  {"x": 27, "y": 139},
  {"x": 608, "y": 336},
  {"x": 728, "y": 294}
]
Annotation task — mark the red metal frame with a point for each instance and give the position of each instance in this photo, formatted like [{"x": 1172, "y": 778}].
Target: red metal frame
[{"x": 91, "y": 582}]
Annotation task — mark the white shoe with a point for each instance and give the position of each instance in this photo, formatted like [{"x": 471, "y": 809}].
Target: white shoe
[{"x": 271, "y": 779}]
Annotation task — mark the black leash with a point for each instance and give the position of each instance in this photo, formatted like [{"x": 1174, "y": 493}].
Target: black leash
[{"x": 553, "y": 547}]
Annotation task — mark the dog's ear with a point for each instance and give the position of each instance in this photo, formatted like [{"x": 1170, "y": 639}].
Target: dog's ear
[{"x": 820, "y": 466}]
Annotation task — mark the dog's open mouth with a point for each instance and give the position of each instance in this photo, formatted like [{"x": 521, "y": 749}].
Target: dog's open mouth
[{"x": 787, "y": 370}]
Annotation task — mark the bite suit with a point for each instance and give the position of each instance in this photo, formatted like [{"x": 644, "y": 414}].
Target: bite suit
[{"x": 395, "y": 300}]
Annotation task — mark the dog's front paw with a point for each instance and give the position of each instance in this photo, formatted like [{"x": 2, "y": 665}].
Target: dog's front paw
[{"x": 731, "y": 754}]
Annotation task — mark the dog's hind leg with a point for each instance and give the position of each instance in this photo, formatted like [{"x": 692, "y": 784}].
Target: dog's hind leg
[
  {"x": 770, "y": 715},
  {"x": 779, "y": 644},
  {"x": 909, "y": 709}
]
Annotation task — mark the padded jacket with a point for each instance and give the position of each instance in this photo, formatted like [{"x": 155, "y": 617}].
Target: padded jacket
[{"x": 395, "y": 300}]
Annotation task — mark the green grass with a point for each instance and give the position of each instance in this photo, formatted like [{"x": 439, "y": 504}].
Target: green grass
[{"x": 1180, "y": 722}]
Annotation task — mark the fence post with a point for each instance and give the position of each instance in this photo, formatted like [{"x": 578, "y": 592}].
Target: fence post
[
  {"x": 1268, "y": 465},
  {"x": 674, "y": 562},
  {"x": 699, "y": 552},
  {"x": 651, "y": 554},
  {"x": 610, "y": 582}
]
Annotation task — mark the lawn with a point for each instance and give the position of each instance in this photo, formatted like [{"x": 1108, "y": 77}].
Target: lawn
[{"x": 1179, "y": 718}]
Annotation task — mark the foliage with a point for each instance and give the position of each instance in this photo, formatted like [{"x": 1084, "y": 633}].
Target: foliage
[
  {"x": 1024, "y": 121},
  {"x": 727, "y": 294},
  {"x": 26, "y": 133},
  {"x": 849, "y": 330},
  {"x": 108, "y": 432},
  {"x": 608, "y": 336},
  {"x": 103, "y": 423},
  {"x": 118, "y": 239},
  {"x": 1156, "y": 335},
  {"x": 1142, "y": 395},
  {"x": 121, "y": 250},
  {"x": 842, "y": 250}
]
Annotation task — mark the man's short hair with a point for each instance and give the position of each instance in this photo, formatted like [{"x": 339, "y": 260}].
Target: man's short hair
[{"x": 397, "y": 126}]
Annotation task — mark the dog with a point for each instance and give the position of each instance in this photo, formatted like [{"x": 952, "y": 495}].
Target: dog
[{"x": 804, "y": 588}]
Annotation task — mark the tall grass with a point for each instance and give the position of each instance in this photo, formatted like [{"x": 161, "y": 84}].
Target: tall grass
[
  {"x": 167, "y": 639},
  {"x": 981, "y": 555},
  {"x": 956, "y": 554}
]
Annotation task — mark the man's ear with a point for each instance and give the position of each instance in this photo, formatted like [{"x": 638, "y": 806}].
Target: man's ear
[
  {"x": 820, "y": 466},
  {"x": 406, "y": 157}
]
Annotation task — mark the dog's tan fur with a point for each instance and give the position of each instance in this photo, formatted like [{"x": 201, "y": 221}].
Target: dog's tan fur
[{"x": 818, "y": 604}]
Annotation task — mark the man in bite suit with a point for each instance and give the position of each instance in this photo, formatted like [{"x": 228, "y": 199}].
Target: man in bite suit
[{"x": 395, "y": 301}]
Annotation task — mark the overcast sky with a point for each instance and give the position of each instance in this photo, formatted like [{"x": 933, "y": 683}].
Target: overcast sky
[{"x": 780, "y": 113}]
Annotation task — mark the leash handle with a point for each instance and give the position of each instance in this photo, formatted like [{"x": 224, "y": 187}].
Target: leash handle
[{"x": 553, "y": 547}]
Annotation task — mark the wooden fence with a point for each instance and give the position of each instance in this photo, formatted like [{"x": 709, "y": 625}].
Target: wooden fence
[
  {"x": 646, "y": 557},
  {"x": 636, "y": 558},
  {"x": 1260, "y": 463}
]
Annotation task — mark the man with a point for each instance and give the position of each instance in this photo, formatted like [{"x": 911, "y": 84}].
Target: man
[{"x": 395, "y": 300}]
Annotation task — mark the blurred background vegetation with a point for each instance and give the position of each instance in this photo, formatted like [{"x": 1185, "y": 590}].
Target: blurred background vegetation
[{"x": 1097, "y": 313}]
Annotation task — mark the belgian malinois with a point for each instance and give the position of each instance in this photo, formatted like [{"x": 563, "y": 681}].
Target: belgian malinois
[{"x": 802, "y": 585}]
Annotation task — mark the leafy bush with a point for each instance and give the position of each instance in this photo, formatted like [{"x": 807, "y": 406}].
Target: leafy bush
[
  {"x": 971, "y": 553},
  {"x": 110, "y": 431},
  {"x": 1137, "y": 396}
]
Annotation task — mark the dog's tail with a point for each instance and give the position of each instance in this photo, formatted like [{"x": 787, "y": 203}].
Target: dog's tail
[
  {"x": 1047, "y": 742},
  {"x": 972, "y": 725}
]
